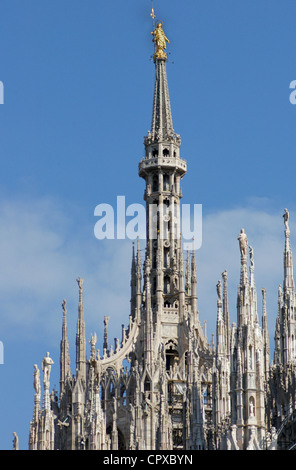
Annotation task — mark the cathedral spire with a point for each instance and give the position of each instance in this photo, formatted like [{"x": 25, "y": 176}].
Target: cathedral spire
[
  {"x": 64, "y": 351},
  {"x": 266, "y": 344},
  {"x": 226, "y": 315},
  {"x": 285, "y": 347},
  {"x": 288, "y": 258},
  {"x": 243, "y": 244},
  {"x": 220, "y": 328},
  {"x": 162, "y": 122},
  {"x": 80, "y": 336},
  {"x": 138, "y": 282},
  {"x": 188, "y": 276},
  {"x": 194, "y": 287},
  {"x": 133, "y": 282}
]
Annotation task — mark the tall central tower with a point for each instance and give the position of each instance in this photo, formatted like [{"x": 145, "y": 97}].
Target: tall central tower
[
  {"x": 170, "y": 338},
  {"x": 162, "y": 169}
]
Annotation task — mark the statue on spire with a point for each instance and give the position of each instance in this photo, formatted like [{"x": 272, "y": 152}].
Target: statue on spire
[
  {"x": 36, "y": 382},
  {"x": 80, "y": 284},
  {"x": 46, "y": 367},
  {"x": 286, "y": 220},
  {"x": 160, "y": 40},
  {"x": 243, "y": 242}
]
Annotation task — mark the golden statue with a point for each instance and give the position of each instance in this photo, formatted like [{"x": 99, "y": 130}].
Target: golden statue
[{"x": 160, "y": 40}]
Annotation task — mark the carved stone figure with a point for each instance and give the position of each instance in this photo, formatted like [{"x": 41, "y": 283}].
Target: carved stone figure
[
  {"x": 286, "y": 219},
  {"x": 46, "y": 367},
  {"x": 37, "y": 380},
  {"x": 251, "y": 253},
  {"x": 15, "y": 441},
  {"x": 219, "y": 290},
  {"x": 243, "y": 242}
]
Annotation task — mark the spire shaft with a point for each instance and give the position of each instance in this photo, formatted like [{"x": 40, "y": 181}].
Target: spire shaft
[
  {"x": 64, "y": 351},
  {"x": 288, "y": 258},
  {"x": 162, "y": 121},
  {"x": 80, "y": 336}
]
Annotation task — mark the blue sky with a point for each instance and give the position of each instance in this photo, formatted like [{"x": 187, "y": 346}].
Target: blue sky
[{"x": 78, "y": 87}]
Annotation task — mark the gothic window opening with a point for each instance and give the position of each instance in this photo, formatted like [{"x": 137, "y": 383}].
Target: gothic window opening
[
  {"x": 207, "y": 396},
  {"x": 186, "y": 363},
  {"x": 147, "y": 388},
  {"x": 166, "y": 182},
  {"x": 165, "y": 152},
  {"x": 293, "y": 347},
  {"x": 172, "y": 358},
  {"x": 167, "y": 285},
  {"x": 69, "y": 402},
  {"x": 234, "y": 360},
  {"x": 123, "y": 395},
  {"x": 155, "y": 183},
  {"x": 112, "y": 390},
  {"x": 251, "y": 359},
  {"x": 147, "y": 385},
  {"x": 166, "y": 257}
]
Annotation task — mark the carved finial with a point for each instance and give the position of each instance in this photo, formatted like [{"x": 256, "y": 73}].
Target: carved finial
[
  {"x": 64, "y": 306},
  {"x": 93, "y": 339},
  {"x": 106, "y": 321},
  {"x": 160, "y": 40},
  {"x": 93, "y": 342},
  {"x": 286, "y": 220},
  {"x": 80, "y": 283}
]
